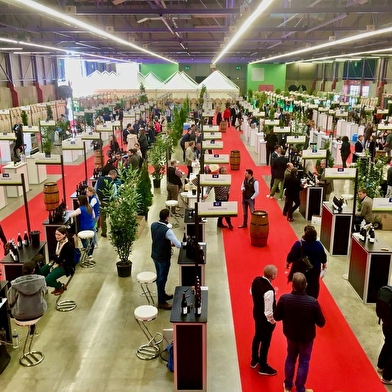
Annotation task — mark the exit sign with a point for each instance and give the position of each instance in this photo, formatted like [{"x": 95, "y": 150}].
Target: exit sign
[
  {"x": 187, "y": 68},
  {"x": 238, "y": 68}
]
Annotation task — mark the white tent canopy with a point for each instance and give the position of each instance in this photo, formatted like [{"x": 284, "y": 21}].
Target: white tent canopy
[{"x": 220, "y": 86}]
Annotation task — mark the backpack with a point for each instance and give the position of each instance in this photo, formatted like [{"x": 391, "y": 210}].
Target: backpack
[
  {"x": 384, "y": 302},
  {"x": 170, "y": 357}
]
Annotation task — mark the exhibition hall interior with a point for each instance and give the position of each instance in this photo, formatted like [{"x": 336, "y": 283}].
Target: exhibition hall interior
[{"x": 148, "y": 151}]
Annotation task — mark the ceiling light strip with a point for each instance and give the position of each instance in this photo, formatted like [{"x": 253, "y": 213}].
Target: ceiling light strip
[
  {"x": 70, "y": 20},
  {"x": 246, "y": 25}
]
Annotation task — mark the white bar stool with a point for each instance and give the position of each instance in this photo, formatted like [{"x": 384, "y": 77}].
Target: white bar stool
[
  {"x": 171, "y": 205},
  {"x": 31, "y": 357},
  {"x": 145, "y": 279},
  {"x": 143, "y": 315},
  {"x": 84, "y": 261}
]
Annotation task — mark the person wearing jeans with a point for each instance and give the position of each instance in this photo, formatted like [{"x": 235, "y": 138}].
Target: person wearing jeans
[
  {"x": 300, "y": 314},
  {"x": 162, "y": 239},
  {"x": 250, "y": 190}
]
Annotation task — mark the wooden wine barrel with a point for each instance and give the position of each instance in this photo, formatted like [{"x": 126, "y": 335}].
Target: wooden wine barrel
[
  {"x": 98, "y": 158},
  {"x": 222, "y": 126},
  {"x": 51, "y": 196},
  {"x": 235, "y": 160},
  {"x": 259, "y": 228}
]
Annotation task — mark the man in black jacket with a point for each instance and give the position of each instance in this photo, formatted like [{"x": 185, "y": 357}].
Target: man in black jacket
[
  {"x": 264, "y": 303},
  {"x": 300, "y": 314}
]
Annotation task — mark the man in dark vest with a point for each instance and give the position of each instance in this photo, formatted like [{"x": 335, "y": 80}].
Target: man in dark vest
[
  {"x": 264, "y": 304},
  {"x": 162, "y": 239},
  {"x": 249, "y": 189}
]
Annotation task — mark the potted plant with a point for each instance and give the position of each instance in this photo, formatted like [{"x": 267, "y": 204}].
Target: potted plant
[
  {"x": 144, "y": 190},
  {"x": 122, "y": 214},
  {"x": 157, "y": 156},
  {"x": 24, "y": 118},
  {"x": 47, "y": 137}
]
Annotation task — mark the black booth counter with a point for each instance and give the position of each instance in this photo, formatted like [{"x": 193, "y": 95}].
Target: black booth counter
[
  {"x": 336, "y": 229},
  {"x": 369, "y": 268},
  {"x": 311, "y": 201}
]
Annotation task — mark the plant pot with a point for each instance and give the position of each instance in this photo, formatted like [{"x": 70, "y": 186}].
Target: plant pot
[
  {"x": 48, "y": 154},
  {"x": 156, "y": 182},
  {"x": 124, "y": 269}
]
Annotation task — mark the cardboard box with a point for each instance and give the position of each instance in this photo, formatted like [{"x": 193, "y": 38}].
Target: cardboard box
[{"x": 386, "y": 221}]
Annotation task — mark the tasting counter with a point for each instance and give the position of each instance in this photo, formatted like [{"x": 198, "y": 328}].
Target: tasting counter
[{"x": 189, "y": 342}]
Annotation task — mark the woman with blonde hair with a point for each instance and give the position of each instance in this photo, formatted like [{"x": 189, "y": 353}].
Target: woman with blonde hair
[{"x": 86, "y": 222}]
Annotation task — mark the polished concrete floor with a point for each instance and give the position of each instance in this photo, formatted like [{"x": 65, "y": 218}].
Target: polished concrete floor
[{"x": 93, "y": 347}]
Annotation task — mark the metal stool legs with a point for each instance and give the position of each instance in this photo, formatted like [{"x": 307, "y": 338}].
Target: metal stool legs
[
  {"x": 65, "y": 305},
  {"x": 29, "y": 357},
  {"x": 145, "y": 279},
  {"x": 84, "y": 260}
]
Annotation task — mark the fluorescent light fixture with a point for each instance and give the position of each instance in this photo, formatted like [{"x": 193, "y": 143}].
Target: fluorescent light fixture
[
  {"x": 10, "y": 49},
  {"x": 69, "y": 20},
  {"x": 67, "y": 52},
  {"x": 357, "y": 37},
  {"x": 246, "y": 25}
]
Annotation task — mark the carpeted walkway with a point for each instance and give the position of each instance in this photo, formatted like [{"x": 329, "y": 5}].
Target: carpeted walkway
[{"x": 338, "y": 362}]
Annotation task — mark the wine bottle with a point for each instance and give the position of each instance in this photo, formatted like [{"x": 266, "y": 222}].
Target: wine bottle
[
  {"x": 16, "y": 254},
  {"x": 184, "y": 306},
  {"x": 184, "y": 241},
  {"x": 198, "y": 304},
  {"x": 362, "y": 235},
  {"x": 20, "y": 243},
  {"x": 11, "y": 249},
  {"x": 372, "y": 235},
  {"x": 26, "y": 239}
]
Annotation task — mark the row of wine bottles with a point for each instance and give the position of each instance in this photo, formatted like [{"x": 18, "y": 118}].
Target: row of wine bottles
[
  {"x": 81, "y": 188},
  {"x": 363, "y": 234},
  {"x": 13, "y": 247},
  {"x": 197, "y": 297}
]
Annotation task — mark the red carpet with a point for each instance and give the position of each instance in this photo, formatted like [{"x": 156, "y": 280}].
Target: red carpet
[{"x": 338, "y": 362}]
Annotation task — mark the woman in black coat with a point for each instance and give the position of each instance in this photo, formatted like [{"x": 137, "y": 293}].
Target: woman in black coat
[
  {"x": 293, "y": 186},
  {"x": 63, "y": 262},
  {"x": 345, "y": 150}
]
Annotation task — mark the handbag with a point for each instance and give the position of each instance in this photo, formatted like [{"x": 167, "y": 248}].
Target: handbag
[{"x": 302, "y": 264}]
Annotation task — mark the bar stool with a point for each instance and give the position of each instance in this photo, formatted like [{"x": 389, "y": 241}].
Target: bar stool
[
  {"x": 184, "y": 198},
  {"x": 171, "y": 205},
  {"x": 31, "y": 357},
  {"x": 84, "y": 261},
  {"x": 143, "y": 315},
  {"x": 145, "y": 279},
  {"x": 65, "y": 305}
]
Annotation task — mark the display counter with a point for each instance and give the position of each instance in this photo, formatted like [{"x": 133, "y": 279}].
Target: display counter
[
  {"x": 369, "y": 268},
  {"x": 189, "y": 342},
  {"x": 37, "y": 173},
  {"x": 335, "y": 230},
  {"x": 311, "y": 202},
  {"x": 18, "y": 169},
  {"x": 188, "y": 270},
  {"x": 13, "y": 269}
]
